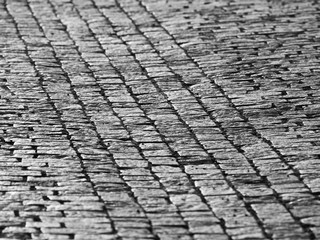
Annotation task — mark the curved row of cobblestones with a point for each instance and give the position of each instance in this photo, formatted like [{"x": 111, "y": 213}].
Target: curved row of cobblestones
[{"x": 148, "y": 119}]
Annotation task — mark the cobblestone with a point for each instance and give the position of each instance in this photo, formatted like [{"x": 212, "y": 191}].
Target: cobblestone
[{"x": 159, "y": 119}]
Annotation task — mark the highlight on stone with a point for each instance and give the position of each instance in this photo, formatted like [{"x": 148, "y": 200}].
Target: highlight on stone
[{"x": 159, "y": 119}]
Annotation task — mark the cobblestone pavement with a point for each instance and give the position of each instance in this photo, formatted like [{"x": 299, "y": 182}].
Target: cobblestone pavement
[{"x": 159, "y": 119}]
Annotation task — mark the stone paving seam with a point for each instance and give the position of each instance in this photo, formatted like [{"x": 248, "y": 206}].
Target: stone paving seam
[
  {"x": 122, "y": 123},
  {"x": 132, "y": 96},
  {"x": 87, "y": 176},
  {"x": 57, "y": 113},
  {"x": 114, "y": 114},
  {"x": 159, "y": 119},
  {"x": 159, "y": 91},
  {"x": 101, "y": 142},
  {"x": 254, "y": 130},
  {"x": 308, "y": 230},
  {"x": 275, "y": 150},
  {"x": 151, "y": 121},
  {"x": 251, "y": 210},
  {"x": 311, "y": 235},
  {"x": 304, "y": 226},
  {"x": 256, "y": 133},
  {"x": 61, "y": 121}
]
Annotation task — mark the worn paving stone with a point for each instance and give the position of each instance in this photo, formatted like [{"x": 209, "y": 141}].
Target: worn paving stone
[{"x": 147, "y": 119}]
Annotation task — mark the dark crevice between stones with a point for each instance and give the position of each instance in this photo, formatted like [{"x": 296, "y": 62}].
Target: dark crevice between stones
[{"x": 222, "y": 91}]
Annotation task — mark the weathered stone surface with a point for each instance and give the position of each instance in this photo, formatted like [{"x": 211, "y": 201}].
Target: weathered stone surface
[{"x": 140, "y": 119}]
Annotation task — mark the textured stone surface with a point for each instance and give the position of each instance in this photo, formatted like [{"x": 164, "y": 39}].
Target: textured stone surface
[{"x": 157, "y": 119}]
